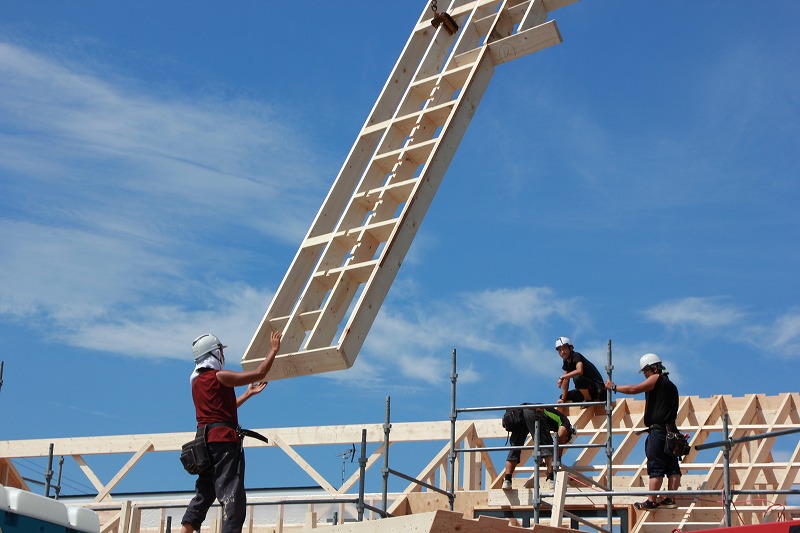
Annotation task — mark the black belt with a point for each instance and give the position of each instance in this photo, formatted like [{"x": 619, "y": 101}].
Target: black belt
[
  {"x": 208, "y": 427},
  {"x": 250, "y": 433},
  {"x": 653, "y": 427},
  {"x": 241, "y": 432}
]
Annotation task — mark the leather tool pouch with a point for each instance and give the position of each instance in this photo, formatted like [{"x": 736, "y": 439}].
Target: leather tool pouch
[{"x": 194, "y": 455}]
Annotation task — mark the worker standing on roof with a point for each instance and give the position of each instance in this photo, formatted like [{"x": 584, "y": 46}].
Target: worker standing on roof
[
  {"x": 660, "y": 414},
  {"x": 216, "y": 407},
  {"x": 587, "y": 379},
  {"x": 550, "y": 419}
]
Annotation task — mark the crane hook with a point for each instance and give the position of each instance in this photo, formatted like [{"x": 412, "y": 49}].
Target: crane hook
[{"x": 450, "y": 25}]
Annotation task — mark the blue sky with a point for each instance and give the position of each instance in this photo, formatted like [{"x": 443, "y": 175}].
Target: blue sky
[{"x": 161, "y": 162}]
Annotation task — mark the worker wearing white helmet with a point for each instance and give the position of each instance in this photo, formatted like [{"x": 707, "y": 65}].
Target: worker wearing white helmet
[
  {"x": 584, "y": 375},
  {"x": 216, "y": 407},
  {"x": 660, "y": 414}
]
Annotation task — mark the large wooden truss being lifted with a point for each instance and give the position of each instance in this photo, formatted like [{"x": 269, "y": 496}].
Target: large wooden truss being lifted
[
  {"x": 771, "y": 465},
  {"x": 344, "y": 267}
]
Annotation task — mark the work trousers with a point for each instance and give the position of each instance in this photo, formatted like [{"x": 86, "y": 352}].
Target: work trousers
[{"x": 226, "y": 484}]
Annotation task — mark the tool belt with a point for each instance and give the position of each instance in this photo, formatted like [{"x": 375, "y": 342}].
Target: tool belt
[
  {"x": 653, "y": 427},
  {"x": 194, "y": 454}
]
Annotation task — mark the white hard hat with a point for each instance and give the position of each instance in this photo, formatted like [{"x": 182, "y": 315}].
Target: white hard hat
[
  {"x": 648, "y": 359},
  {"x": 204, "y": 344},
  {"x": 563, "y": 341}
]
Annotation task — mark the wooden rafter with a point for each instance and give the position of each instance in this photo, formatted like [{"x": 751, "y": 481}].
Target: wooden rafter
[
  {"x": 352, "y": 252},
  {"x": 760, "y": 465}
]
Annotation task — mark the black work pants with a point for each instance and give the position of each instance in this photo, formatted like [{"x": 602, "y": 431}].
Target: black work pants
[
  {"x": 226, "y": 484},
  {"x": 518, "y": 438}
]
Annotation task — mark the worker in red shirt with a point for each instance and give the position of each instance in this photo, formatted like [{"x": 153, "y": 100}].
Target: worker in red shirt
[{"x": 216, "y": 406}]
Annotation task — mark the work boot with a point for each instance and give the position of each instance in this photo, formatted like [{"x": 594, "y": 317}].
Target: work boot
[
  {"x": 646, "y": 505},
  {"x": 668, "y": 503}
]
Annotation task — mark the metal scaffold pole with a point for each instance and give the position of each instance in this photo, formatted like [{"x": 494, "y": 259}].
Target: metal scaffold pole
[
  {"x": 451, "y": 475},
  {"x": 362, "y": 467},
  {"x": 726, "y": 472},
  {"x": 387, "y": 426},
  {"x": 609, "y": 442},
  {"x": 537, "y": 457},
  {"x": 48, "y": 474}
]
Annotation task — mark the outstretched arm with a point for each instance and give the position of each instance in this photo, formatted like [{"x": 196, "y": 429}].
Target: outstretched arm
[
  {"x": 645, "y": 386},
  {"x": 231, "y": 378}
]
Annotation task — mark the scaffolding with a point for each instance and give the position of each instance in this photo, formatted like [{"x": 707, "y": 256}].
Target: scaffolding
[
  {"x": 605, "y": 482},
  {"x": 745, "y": 459}
]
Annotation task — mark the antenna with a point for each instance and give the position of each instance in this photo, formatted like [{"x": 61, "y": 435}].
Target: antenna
[{"x": 351, "y": 453}]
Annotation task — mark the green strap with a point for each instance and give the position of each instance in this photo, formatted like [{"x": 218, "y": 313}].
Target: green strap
[{"x": 553, "y": 416}]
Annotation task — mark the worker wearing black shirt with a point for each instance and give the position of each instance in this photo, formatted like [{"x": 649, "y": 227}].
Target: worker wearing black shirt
[
  {"x": 587, "y": 379},
  {"x": 660, "y": 414}
]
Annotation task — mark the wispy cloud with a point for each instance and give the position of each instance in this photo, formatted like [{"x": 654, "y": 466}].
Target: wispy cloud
[
  {"x": 779, "y": 338},
  {"x": 169, "y": 329},
  {"x": 412, "y": 336},
  {"x": 91, "y": 412},
  {"x": 719, "y": 317},
  {"x": 112, "y": 194},
  {"x": 102, "y": 149},
  {"x": 697, "y": 312}
]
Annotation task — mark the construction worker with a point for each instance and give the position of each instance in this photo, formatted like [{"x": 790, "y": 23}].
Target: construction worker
[
  {"x": 587, "y": 379},
  {"x": 216, "y": 407},
  {"x": 660, "y": 414},
  {"x": 550, "y": 419}
]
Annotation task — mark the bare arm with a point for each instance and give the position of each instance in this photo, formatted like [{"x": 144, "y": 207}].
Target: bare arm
[
  {"x": 577, "y": 372},
  {"x": 645, "y": 386},
  {"x": 563, "y": 381},
  {"x": 232, "y": 378},
  {"x": 252, "y": 390}
]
